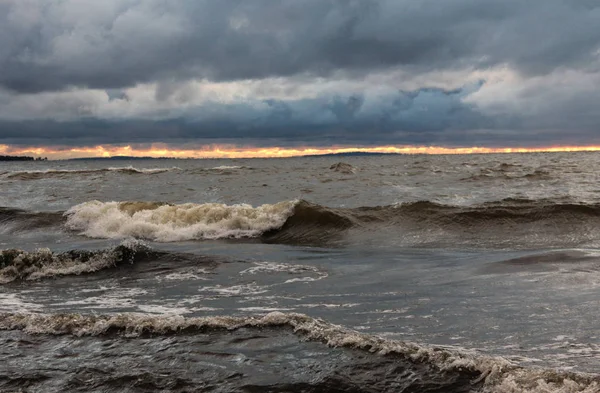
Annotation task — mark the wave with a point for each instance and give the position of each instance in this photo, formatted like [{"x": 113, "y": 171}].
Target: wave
[
  {"x": 514, "y": 222},
  {"x": 60, "y": 173},
  {"x": 343, "y": 167},
  {"x": 226, "y": 167},
  {"x": 19, "y": 265},
  {"x": 21, "y": 220},
  {"x": 507, "y": 172},
  {"x": 564, "y": 261},
  {"x": 520, "y": 210},
  {"x": 516, "y": 210},
  {"x": 219, "y": 170},
  {"x": 310, "y": 223},
  {"x": 452, "y": 369},
  {"x": 132, "y": 170},
  {"x": 167, "y": 222},
  {"x": 508, "y": 222}
]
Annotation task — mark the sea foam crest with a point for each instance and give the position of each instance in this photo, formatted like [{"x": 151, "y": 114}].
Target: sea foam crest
[
  {"x": 225, "y": 167},
  {"x": 168, "y": 223},
  {"x": 60, "y": 172},
  {"x": 42, "y": 263},
  {"x": 495, "y": 374},
  {"x": 131, "y": 169}
]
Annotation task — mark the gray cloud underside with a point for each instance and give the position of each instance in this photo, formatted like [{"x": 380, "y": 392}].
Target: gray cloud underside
[
  {"x": 415, "y": 117},
  {"x": 427, "y": 116},
  {"x": 51, "y": 45}
]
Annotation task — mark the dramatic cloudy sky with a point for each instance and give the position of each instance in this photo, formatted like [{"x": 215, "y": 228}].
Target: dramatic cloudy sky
[{"x": 300, "y": 72}]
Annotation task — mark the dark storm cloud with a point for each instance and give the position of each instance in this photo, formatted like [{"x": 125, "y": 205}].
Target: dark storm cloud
[
  {"x": 51, "y": 45},
  {"x": 404, "y": 117}
]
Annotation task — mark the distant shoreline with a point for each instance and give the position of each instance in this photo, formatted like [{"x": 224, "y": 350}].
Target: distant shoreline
[
  {"x": 21, "y": 158},
  {"x": 349, "y": 154},
  {"x": 345, "y": 154}
]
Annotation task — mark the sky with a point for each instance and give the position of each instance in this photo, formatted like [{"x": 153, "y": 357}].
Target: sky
[{"x": 210, "y": 77}]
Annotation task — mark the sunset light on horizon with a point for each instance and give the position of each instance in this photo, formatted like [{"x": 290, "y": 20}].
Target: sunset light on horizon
[{"x": 233, "y": 152}]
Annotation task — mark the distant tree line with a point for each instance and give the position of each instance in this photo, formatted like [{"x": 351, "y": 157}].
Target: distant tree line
[{"x": 21, "y": 158}]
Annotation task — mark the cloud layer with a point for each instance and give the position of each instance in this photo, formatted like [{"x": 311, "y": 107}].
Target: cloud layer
[{"x": 499, "y": 72}]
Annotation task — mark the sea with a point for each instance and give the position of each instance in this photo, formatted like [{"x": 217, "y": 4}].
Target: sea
[{"x": 382, "y": 273}]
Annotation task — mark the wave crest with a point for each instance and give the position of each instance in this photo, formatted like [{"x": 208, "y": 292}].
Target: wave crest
[
  {"x": 20, "y": 220},
  {"x": 60, "y": 173},
  {"x": 514, "y": 222},
  {"x": 491, "y": 374},
  {"x": 530, "y": 222},
  {"x": 167, "y": 222},
  {"x": 23, "y": 265}
]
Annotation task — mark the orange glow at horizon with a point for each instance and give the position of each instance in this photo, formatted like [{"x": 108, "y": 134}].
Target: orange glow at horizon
[{"x": 231, "y": 151}]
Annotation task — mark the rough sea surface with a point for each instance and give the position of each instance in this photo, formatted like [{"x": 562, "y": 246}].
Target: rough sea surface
[{"x": 462, "y": 273}]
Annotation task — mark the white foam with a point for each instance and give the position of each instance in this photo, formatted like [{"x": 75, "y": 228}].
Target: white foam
[
  {"x": 273, "y": 267},
  {"x": 328, "y": 305},
  {"x": 169, "y": 223},
  {"x": 183, "y": 276},
  {"x": 235, "y": 290},
  {"x": 303, "y": 279},
  {"x": 163, "y": 310},
  {"x": 43, "y": 263},
  {"x": 264, "y": 309},
  {"x": 126, "y": 169},
  {"x": 11, "y": 302},
  {"x": 111, "y": 299},
  {"x": 131, "y": 169},
  {"x": 226, "y": 167}
]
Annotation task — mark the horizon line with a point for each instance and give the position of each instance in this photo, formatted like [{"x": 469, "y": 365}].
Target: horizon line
[{"x": 162, "y": 150}]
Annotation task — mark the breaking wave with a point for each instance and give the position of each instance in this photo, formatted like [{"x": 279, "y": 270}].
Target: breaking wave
[
  {"x": 226, "y": 167},
  {"x": 17, "y": 265},
  {"x": 60, "y": 173},
  {"x": 168, "y": 223},
  {"x": 479, "y": 373},
  {"x": 220, "y": 170},
  {"x": 508, "y": 222}
]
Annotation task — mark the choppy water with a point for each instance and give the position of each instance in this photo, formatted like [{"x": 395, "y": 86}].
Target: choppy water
[{"x": 471, "y": 273}]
